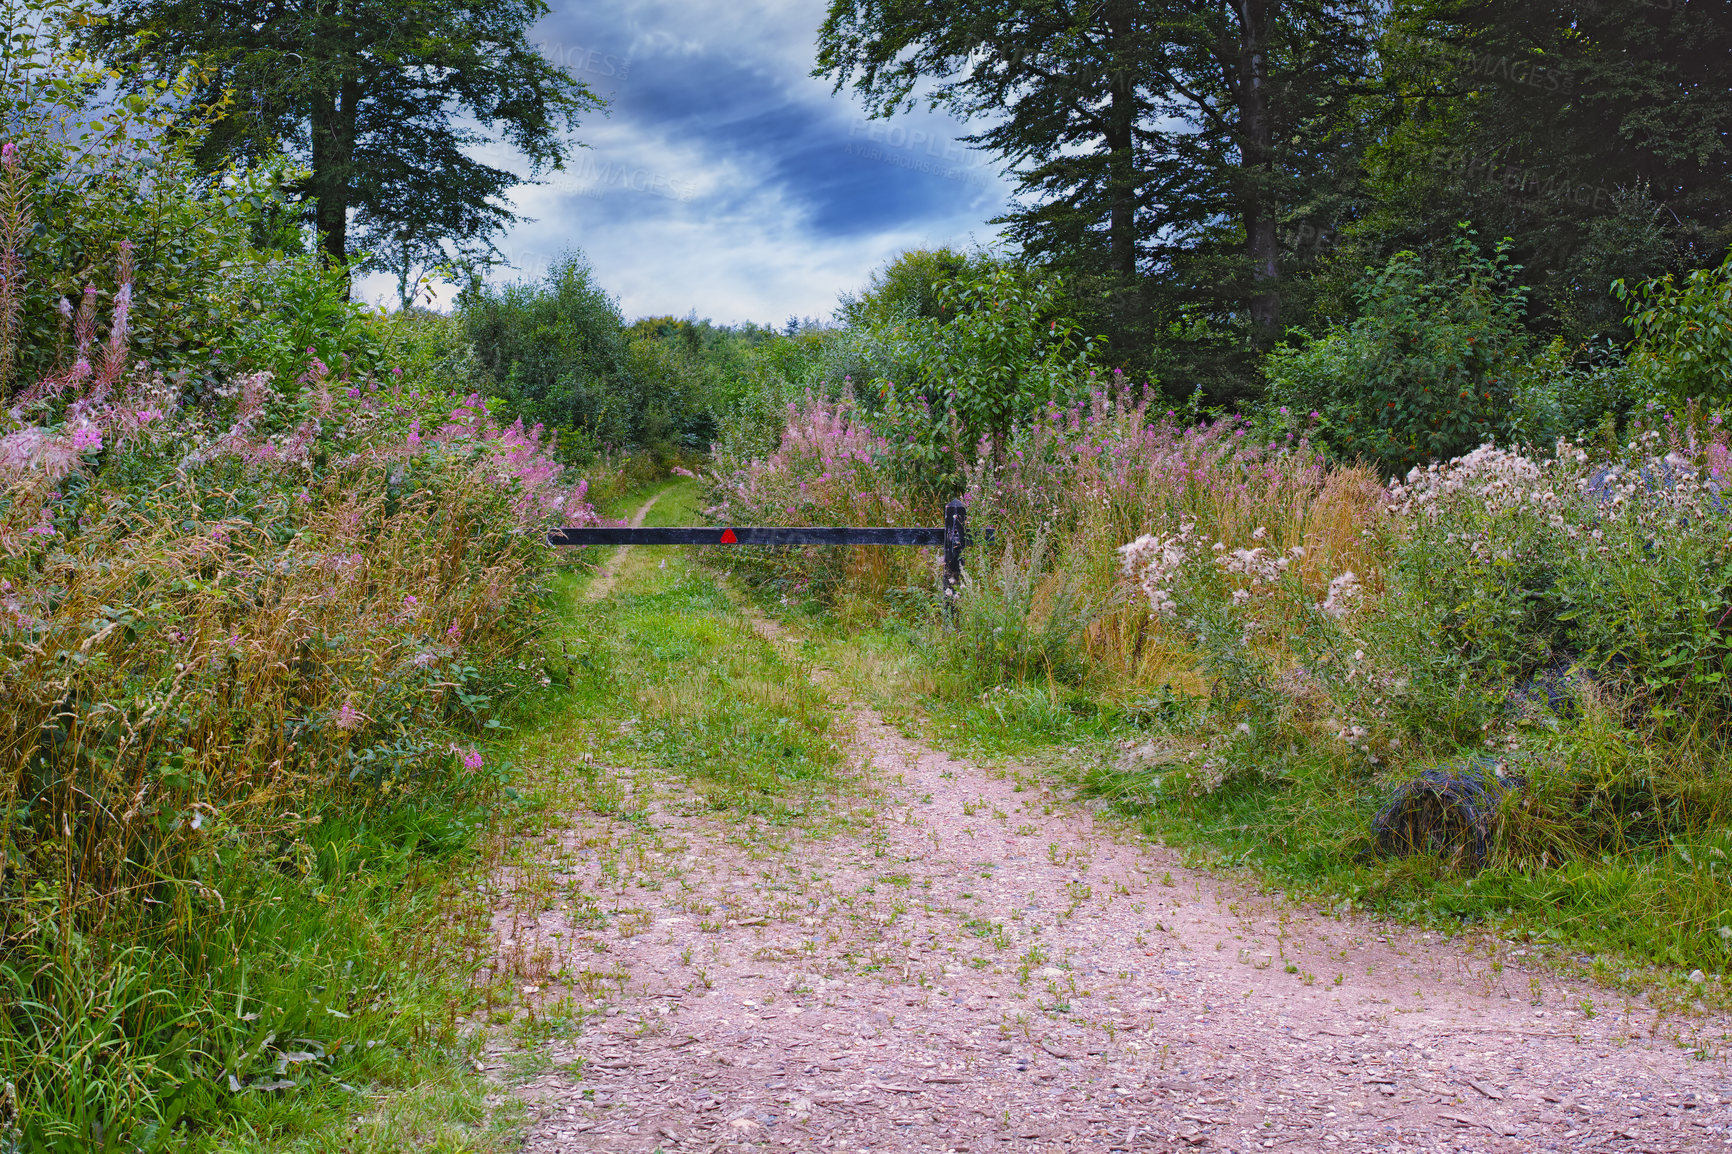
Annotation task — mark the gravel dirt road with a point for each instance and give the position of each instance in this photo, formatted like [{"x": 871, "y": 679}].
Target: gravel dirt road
[{"x": 953, "y": 958}]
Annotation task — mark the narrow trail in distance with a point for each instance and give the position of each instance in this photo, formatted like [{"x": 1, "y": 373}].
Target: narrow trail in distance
[
  {"x": 957, "y": 958},
  {"x": 602, "y": 583}
]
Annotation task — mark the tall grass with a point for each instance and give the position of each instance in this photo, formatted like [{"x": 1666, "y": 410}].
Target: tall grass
[{"x": 247, "y": 651}]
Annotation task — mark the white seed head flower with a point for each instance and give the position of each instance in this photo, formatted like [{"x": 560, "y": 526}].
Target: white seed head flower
[{"x": 1342, "y": 590}]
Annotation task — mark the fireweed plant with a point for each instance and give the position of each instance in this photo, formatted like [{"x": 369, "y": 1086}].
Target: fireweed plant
[
  {"x": 248, "y": 649},
  {"x": 830, "y": 467}
]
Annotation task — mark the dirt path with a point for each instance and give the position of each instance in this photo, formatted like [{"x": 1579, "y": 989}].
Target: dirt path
[
  {"x": 602, "y": 585},
  {"x": 955, "y": 959}
]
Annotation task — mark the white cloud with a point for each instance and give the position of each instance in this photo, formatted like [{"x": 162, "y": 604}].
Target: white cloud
[{"x": 728, "y": 181}]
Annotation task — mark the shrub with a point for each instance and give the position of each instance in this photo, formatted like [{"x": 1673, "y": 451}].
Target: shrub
[
  {"x": 559, "y": 354},
  {"x": 223, "y": 287},
  {"x": 1425, "y": 373},
  {"x": 1620, "y": 566},
  {"x": 996, "y": 355},
  {"x": 224, "y": 615},
  {"x": 1579, "y": 392},
  {"x": 829, "y": 467},
  {"x": 1683, "y": 335},
  {"x": 1019, "y": 621},
  {"x": 912, "y": 286}
]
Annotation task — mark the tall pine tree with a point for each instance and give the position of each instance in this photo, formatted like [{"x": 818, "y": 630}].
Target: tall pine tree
[{"x": 1597, "y": 134}]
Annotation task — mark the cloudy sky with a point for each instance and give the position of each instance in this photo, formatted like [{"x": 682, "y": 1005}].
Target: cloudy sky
[{"x": 723, "y": 178}]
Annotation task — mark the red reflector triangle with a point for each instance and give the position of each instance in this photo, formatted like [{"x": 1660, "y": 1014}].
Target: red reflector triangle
[{"x": 728, "y": 537}]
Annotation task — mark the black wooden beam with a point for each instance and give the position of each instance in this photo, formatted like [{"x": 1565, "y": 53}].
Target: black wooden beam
[{"x": 754, "y": 535}]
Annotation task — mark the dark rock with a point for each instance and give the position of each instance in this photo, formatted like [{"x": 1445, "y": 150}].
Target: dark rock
[{"x": 1450, "y": 810}]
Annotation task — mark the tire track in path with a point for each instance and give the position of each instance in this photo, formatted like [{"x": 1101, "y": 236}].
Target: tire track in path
[{"x": 602, "y": 584}]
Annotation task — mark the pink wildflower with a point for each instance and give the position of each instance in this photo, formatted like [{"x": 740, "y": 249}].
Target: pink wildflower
[
  {"x": 347, "y": 718},
  {"x": 86, "y": 439}
]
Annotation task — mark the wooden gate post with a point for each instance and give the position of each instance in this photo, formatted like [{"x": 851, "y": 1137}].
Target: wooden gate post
[{"x": 955, "y": 528}]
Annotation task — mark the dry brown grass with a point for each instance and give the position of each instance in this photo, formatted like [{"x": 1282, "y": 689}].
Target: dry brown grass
[
  {"x": 1338, "y": 521},
  {"x": 191, "y": 660}
]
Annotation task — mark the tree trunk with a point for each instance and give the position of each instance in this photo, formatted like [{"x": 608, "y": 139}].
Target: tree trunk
[
  {"x": 1121, "y": 151},
  {"x": 334, "y": 107},
  {"x": 1257, "y": 162},
  {"x": 330, "y": 205}
]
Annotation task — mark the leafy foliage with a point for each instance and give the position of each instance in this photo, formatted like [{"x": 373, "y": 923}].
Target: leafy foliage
[
  {"x": 998, "y": 353},
  {"x": 1425, "y": 372},
  {"x": 384, "y": 103},
  {"x": 911, "y": 285},
  {"x": 1683, "y": 336},
  {"x": 559, "y": 353},
  {"x": 1158, "y": 148},
  {"x": 1592, "y": 135}
]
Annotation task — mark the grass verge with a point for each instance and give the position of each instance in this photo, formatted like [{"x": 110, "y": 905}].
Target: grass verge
[{"x": 316, "y": 1010}]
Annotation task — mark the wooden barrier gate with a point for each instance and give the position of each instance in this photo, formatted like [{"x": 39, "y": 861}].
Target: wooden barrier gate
[{"x": 953, "y": 536}]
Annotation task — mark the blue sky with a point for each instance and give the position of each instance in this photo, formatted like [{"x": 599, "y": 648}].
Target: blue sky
[{"x": 723, "y": 178}]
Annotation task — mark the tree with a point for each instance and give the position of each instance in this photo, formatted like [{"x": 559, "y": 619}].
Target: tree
[
  {"x": 371, "y": 95},
  {"x": 1425, "y": 371},
  {"x": 557, "y": 352},
  {"x": 1597, "y": 134},
  {"x": 911, "y": 285},
  {"x": 1151, "y": 139}
]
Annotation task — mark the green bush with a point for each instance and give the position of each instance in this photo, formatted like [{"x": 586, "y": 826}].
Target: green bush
[
  {"x": 912, "y": 286},
  {"x": 1020, "y": 624},
  {"x": 997, "y": 354},
  {"x": 560, "y": 354},
  {"x": 1428, "y": 369},
  {"x": 1621, "y": 567},
  {"x": 1575, "y": 392},
  {"x": 222, "y": 284},
  {"x": 1682, "y": 347}
]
